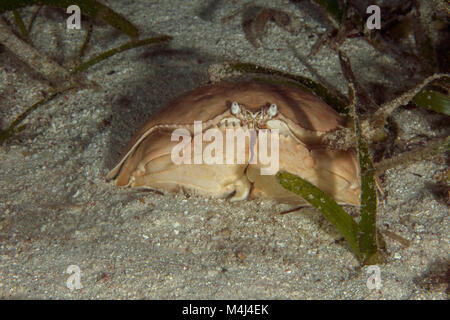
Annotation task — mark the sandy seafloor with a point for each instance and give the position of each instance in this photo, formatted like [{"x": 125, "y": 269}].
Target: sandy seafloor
[{"x": 56, "y": 209}]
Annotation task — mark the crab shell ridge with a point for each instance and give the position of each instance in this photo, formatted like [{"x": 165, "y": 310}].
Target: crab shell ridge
[{"x": 302, "y": 119}]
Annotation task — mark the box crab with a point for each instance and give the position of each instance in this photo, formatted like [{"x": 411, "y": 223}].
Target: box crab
[{"x": 300, "y": 118}]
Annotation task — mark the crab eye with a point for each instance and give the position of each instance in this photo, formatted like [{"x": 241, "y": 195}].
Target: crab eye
[
  {"x": 273, "y": 110},
  {"x": 235, "y": 109}
]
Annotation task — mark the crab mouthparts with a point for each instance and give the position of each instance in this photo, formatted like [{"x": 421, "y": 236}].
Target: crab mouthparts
[{"x": 253, "y": 119}]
